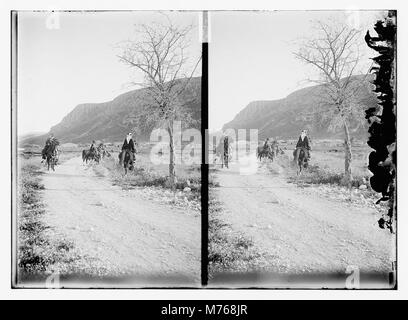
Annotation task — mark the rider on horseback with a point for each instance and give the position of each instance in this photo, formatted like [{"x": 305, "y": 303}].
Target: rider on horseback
[
  {"x": 92, "y": 148},
  {"x": 302, "y": 144},
  {"x": 50, "y": 145},
  {"x": 129, "y": 145},
  {"x": 266, "y": 144}
]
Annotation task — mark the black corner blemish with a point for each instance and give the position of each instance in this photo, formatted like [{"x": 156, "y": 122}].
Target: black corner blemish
[{"x": 382, "y": 120}]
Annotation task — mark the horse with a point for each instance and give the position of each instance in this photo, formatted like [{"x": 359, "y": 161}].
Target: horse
[
  {"x": 51, "y": 157},
  {"x": 225, "y": 159},
  {"x": 102, "y": 151},
  {"x": 90, "y": 155},
  {"x": 222, "y": 154},
  {"x": 50, "y": 154},
  {"x": 226, "y": 156},
  {"x": 265, "y": 152},
  {"x": 126, "y": 159},
  {"x": 300, "y": 159}
]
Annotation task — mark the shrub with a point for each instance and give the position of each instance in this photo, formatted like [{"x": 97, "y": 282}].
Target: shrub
[
  {"x": 317, "y": 175},
  {"x": 143, "y": 177}
]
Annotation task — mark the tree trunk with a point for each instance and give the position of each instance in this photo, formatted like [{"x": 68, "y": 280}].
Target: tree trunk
[
  {"x": 172, "y": 168},
  {"x": 347, "y": 156}
]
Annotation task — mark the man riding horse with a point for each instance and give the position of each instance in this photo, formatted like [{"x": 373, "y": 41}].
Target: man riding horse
[
  {"x": 302, "y": 144},
  {"x": 92, "y": 148},
  {"x": 50, "y": 146},
  {"x": 129, "y": 145},
  {"x": 101, "y": 149},
  {"x": 267, "y": 149},
  {"x": 267, "y": 145}
]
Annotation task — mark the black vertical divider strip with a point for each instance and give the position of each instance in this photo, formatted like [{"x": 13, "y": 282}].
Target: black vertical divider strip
[
  {"x": 204, "y": 166},
  {"x": 13, "y": 142}
]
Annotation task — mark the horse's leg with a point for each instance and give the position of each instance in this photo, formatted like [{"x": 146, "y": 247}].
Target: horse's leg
[
  {"x": 300, "y": 165},
  {"x": 296, "y": 160}
]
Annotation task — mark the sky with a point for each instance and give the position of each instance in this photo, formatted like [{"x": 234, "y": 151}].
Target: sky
[
  {"x": 250, "y": 56},
  {"x": 65, "y": 59}
]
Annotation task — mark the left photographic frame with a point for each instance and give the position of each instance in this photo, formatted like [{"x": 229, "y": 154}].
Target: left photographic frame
[{"x": 106, "y": 149}]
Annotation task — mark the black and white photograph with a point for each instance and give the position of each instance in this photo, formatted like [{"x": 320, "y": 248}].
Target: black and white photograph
[
  {"x": 107, "y": 111},
  {"x": 204, "y": 155},
  {"x": 302, "y": 119}
]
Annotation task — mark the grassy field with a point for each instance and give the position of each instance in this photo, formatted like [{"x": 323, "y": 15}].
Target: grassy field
[
  {"x": 327, "y": 163},
  {"x": 329, "y": 155},
  {"x": 149, "y": 174},
  {"x": 146, "y": 172}
]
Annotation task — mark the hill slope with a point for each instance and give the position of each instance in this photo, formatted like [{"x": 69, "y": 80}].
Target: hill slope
[
  {"x": 108, "y": 121},
  {"x": 285, "y": 118}
]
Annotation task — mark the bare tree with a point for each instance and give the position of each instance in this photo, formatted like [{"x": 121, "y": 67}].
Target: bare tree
[
  {"x": 160, "y": 54},
  {"x": 334, "y": 53}
]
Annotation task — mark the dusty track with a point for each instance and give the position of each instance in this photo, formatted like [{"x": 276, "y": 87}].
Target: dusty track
[
  {"x": 300, "y": 230},
  {"x": 124, "y": 233}
]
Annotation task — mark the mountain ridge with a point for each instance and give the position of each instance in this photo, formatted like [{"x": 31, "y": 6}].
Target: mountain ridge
[
  {"x": 285, "y": 118},
  {"x": 108, "y": 121}
]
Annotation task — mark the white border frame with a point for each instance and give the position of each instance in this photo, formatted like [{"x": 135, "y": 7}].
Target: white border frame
[{"x": 5, "y": 235}]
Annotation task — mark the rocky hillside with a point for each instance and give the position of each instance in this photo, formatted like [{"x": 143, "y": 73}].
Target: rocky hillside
[
  {"x": 109, "y": 121},
  {"x": 285, "y": 118}
]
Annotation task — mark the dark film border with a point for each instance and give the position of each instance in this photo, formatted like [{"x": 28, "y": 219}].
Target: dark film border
[{"x": 204, "y": 165}]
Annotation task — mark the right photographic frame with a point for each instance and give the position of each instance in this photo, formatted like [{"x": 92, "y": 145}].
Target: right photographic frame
[{"x": 302, "y": 149}]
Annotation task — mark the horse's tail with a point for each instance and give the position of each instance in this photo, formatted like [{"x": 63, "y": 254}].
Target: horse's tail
[{"x": 83, "y": 155}]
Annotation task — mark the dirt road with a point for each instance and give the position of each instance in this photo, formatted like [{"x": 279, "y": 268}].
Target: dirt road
[
  {"x": 123, "y": 233},
  {"x": 300, "y": 230}
]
